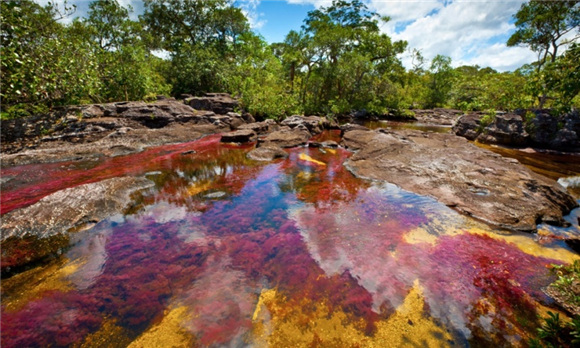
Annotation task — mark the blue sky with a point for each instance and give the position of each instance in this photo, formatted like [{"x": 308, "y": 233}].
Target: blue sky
[{"x": 469, "y": 31}]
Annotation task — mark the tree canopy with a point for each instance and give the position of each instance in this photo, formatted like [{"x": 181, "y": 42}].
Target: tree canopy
[{"x": 338, "y": 62}]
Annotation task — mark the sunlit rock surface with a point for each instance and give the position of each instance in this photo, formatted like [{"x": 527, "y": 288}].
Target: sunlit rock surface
[{"x": 476, "y": 182}]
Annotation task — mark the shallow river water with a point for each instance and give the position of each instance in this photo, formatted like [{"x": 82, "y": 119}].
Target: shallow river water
[{"x": 224, "y": 251}]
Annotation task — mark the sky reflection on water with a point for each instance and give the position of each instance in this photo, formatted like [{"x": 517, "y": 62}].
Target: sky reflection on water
[{"x": 298, "y": 252}]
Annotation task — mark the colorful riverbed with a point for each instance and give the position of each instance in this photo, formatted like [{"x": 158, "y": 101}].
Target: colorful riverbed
[{"x": 224, "y": 251}]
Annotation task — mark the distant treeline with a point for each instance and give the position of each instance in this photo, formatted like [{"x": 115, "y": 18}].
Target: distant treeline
[{"x": 338, "y": 62}]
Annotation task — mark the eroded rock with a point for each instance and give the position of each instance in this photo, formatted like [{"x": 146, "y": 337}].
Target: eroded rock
[
  {"x": 220, "y": 103},
  {"x": 239, "y": 136},
  {"x": 286, "y": 138},
  {"x": 36, "y": 231},
  {"x": 266, "y": 153},
  {"x": 474, "y": 181}
]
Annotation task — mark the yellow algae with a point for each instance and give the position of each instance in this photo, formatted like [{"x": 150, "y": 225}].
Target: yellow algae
[
  {"x": 37, "y": 281},
  {"x": 168, "y": 333},
  {"x": 305, "y": 157},
  {"x": 420, "y": 235},
  {"x": 197, "y": 188},
  {"x": 530, "y": 246},
  {"x": 109, "y": 335},
  {"x": 410, "y": 327},
  {"x": 280, "y": 323}
]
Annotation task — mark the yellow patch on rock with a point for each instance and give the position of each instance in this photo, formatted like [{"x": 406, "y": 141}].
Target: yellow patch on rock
[
  {"x": 305, "y": 157},
  {"x": 282, "y": 323},
  {"x": 168, "y": 333}
]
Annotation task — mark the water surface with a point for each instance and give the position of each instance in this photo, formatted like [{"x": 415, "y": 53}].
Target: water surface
[{"x": 224, "y": 251}]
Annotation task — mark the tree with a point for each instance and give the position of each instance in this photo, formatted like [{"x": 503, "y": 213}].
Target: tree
[
  {"x": 125, "y": 63},
  {"x": 342, "y": 59},
  {"x": 441, "y": 76},
  {"x": 202, "y": 39},
  {"x": 38, "y": 65},
  {"x": 542, "y": 25}
]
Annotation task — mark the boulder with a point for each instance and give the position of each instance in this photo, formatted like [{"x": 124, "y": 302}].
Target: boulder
[
  {"x": 474, "y": 181},
  {"x": 312, "y": 124},
  {"x": 220, "y": 103},
  {"x": 266, "y": 153},
  {"x": 507, "y": 129},
  {"x": 347, "y": 127},
  {"x": 285, "y": 138},
  {"x": 468, "y": 126},
  {"x": 261, "y": 128},
  {"x": 239, "y": 136}
]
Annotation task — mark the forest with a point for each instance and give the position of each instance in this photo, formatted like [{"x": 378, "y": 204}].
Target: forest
[{"x": 339, "y": 61}]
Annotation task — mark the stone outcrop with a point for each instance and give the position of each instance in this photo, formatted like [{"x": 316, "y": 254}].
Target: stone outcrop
[
  {"x": 239, "y": 136},
  {"x": 472, "y": 180},
  {"x": 286, "y": 138},
  {"x": 437, "y": 116},
  {"x": 220, "y": 103},
  {"x": 46, "y": 226},
  {"x": 507, "y": 129},
  {"x": 261, "y": 128},
  {"x": 314, "y": 124},
  {"x": 543, "y": 131},
  {"x": 266, "y": 153}
]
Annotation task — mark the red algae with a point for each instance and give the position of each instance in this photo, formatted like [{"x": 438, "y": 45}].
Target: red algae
[{"x": 218, "y": 229}]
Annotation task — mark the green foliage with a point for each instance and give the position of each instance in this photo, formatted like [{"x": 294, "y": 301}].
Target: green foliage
[
  {"x": 340, "y": 61},
  {"x": 487, "y": 119},
  {"x": 258, "y": 80},
  {"x": 440, "y": 81},
  {"x": 476, "y": 89},
  {"x": 554, "y": 332},
  {"x": 542, "y": 24},
  {"x": 568, "y": 276}
]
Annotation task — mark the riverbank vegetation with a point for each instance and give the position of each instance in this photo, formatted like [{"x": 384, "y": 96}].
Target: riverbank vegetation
[{"x": 339, "y": 62}]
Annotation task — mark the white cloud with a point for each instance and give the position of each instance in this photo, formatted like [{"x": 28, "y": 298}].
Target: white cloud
[
  {"x": 250, "y": 10},
  {"x": 470, "y": 32}
]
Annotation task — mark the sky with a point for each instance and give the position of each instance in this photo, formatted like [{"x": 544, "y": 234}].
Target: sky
[{"x": 471, "y": 32}]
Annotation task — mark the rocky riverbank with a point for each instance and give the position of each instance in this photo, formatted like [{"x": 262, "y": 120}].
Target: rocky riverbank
[
  {"x": 472, "y": 180},
  {"x": 539, "y": 129}
]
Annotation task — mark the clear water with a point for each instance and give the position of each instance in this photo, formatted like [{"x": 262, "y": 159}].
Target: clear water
[{"x": 224, "y": 251}]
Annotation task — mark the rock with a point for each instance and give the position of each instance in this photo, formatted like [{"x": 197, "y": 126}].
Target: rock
[
  {"x": 220, "y": 103},
  {"x": 266, "y": 153},
  {"x": 260, "y": 127},
  {"x": 468, "y": 126},
  {"x": 350, "y": 127},
  {"x": 312, "y": 124},
  {"x": 248, "y": 117},
  {"x": 36, "y": 228},
  {"x": 474, "y": 181},
  {"x": 565, "y": 139},
  {"x": 236, "y": 120},
  {"x": 285, "y": 138},
  {"x": 239, "y": 136},
  {"x": 218, "y": 194},
  {"x": 357, "y": 139},
  {"x": 507, "y": 129},
  {"x": 437, "y": 116},
  {"x": 330, "y": 143}
]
